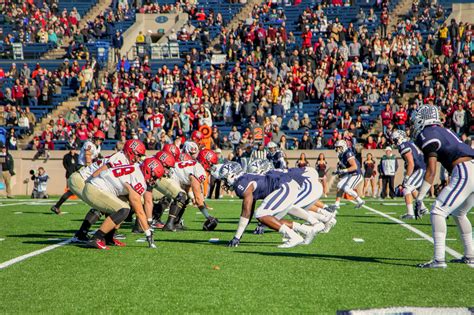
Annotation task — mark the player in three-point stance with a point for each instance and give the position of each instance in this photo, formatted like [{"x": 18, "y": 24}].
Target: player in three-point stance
[
  {"x": 457, "y": 198},
  {"x": 414, "y": 169},
  {"x": 349, "y": 173}
]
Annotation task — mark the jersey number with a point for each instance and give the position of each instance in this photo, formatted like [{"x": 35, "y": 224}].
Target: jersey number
[
  {"x": 185, "y": 164},
  {"x": 139, "y": 188},
  {"x": 121, "y": 171}
]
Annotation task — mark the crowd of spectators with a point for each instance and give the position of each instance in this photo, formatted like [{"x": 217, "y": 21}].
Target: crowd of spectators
[{"x": 344, "y": 71}]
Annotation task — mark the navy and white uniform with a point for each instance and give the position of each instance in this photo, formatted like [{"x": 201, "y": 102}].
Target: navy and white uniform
[
  {"x": 415, "y": 180},
  {"x": 278, "y": 191},
  {"x": 457, "y": 198},
  {"x": 278, "y": 159},
  {"x": 349, "y": 180}
]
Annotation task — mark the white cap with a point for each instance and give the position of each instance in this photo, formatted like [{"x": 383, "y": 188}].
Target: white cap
[{"x": 388, "y": 149}]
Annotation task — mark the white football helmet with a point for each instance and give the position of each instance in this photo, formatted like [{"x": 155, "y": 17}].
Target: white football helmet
[
  {"x": 425, "y": 115},
  {"x": 272, "y": 146},
  {"x": 341, "y": 146},
  {"x": 229, "y": 173},
  {"x": 259, "y": 166},
  {"x": 191, "y": 148},
  {"x": 399, "y": 136}
]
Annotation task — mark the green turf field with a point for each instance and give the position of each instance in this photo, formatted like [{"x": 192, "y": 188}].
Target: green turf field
[{"x": 188, "y": 274}]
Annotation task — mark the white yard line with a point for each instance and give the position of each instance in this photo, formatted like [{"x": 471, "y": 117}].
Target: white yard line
[
  {"x": 33, "y": 254},
  {"x": 407, "y": 226}
]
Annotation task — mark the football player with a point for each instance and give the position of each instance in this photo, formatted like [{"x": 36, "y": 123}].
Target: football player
[
  {"x": 133, "y": 151},
  {"x": 259, "y": 166},
  {"x": 191, "y": 175},
  {"x": 90, "y": 152},
  {"x": 457, "y": 198},
  {"x": 276, "y": 156},
  {"x": 104, "y": 191},
  {"x": 349, "y": 173},
  {"x": 193, "y": 146},
  {"x": 414, "y": 169},
  {"x": 279, "y": 193}
]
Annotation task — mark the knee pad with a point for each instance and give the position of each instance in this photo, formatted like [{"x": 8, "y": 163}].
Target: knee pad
[
  {"x": 120, "y": 216},
  {"x": 182, "y": 200}
]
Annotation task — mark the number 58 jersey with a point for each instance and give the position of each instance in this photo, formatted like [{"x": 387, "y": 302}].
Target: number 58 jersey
[
  {"x": 182, "y": 171},
  {"x": 114, "y": 180}
]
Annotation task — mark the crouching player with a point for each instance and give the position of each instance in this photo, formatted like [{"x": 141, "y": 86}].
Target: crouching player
[
  {"x": 104, "y": 191},
  {"x": 349, "y": 174},
  {"x": 457, "y": 198},
  {"x": 414, "y": 169},
  {"x": 279, "y": 193}
]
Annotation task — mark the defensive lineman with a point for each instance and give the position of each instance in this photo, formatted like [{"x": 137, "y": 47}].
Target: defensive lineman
[{"x": 457, "y": 198}]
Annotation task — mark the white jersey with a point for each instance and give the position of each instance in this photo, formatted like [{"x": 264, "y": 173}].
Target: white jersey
[
  {"x": 88, "y": 146},
  {"x": 183, "y": 170},
  {"x": 191, "y": 148},
  {"x": 116, "y": 159},
  {"x": 114, "y": 180}
]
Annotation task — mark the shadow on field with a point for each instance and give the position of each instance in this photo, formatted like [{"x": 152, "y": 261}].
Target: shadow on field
[
  {"x": 344, "y": 258},
  {"x": 218, "y": 243},
  {"x": 37, "y": 235},
  {"x": 395, "y": 223}
]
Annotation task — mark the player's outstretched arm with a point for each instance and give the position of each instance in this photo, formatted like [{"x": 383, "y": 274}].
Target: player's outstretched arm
[
  {"x": 136, "y": 203},
  {"x": 247, "y": 207},
  {"x": 408, "y": 157}
]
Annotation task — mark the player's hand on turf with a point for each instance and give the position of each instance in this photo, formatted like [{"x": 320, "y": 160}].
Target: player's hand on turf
[
  {"x": 259, "y": 230},
  {"x": 420, "y": 209},
  {"x": 151, "y": 240},
  {"x": 234, "y": 242}
]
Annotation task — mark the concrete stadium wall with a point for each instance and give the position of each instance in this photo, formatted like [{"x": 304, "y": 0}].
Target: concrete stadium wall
[
  {"x": 22, "y": 185},
  {"x": 462, "y": 12}
]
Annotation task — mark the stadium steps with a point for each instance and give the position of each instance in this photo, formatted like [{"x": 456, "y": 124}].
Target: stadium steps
[
  {"x": 242, "y": 15},
  {"x": 400, "y": 11},
  {"x": 60, "y": 52},
  {"x": 63, "y": 108}
]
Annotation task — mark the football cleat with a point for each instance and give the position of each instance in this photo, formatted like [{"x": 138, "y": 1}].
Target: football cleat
[
  {"x": 79, "y": 239},
  {"x": 360, "y": 204},
  {"x": 56, "y": 210},
  {"x": 115, "y": 242},
  {"x": 292, "y": 242},
  {"x": 433, "y": 264},
  {"x": 259, "y": 230},
  {"x": 309, "y": 237},
  {"x": 331, "y": 208},
  {"x": 157, "y": 225},
  {"x": 407, "y": 216},
  {"x": 99, "y": 244},
  {"x": 464, "y": 260},
  {"x": 329, "y": 225}
]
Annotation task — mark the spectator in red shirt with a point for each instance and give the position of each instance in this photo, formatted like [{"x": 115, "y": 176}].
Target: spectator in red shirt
[
  {"x": 82, "y": 132},
  {"x": 387, "y": 117},
  {"x": 370, "y": 144},
  {"x": 307, "y": 36},
  {"x": 401, "y": 118}
]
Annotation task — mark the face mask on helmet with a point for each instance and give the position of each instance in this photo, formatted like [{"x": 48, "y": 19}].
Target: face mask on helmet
[{"x": 229, "y": 173}]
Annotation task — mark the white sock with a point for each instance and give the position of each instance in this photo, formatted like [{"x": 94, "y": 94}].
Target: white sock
[
  {"x": 352, "y": 193},
  {"x": 325, "y": 212},
  {"x": 465, "y": 229},
  {"x": 301, "y": 228},
  {"x": 301, "y": 213},
  {"x": 410, "y": 209},
  {"x": 287, "y": 232},
  {"x": 320, "y": 216},
  {"x": 359, "y": 200},
  {"x": 438, "y": 226},
  {"x": 337, "y": 203}
]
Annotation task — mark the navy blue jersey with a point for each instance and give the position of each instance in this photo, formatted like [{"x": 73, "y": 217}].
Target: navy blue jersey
[
  {"x": 278, "y": 159},
  {"x": 444, "y": 144},
  {"x": 295, "y": 173},
  {"x": 418, "y": 157},
  {"x": 264, "y": 184},
  {"x": 344, "y": 161}
]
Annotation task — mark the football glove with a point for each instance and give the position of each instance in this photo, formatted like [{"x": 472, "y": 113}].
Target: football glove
[
  {"x": 420, "y": 209},
  {"x": 150, "y": 240},
  {"x": 210, "y": 224},
  {"x": 234, "y": 242},
  {"x": 405, "y": 180},
  {"x": 259, "y": 230}
]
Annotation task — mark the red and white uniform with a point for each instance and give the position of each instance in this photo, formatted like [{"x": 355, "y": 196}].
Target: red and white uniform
[
  {"x": 116, "y": 159},
  {"x": 114, "y": 180},
  {"x": 88, "y": 146},
  {"x": 183, "y": 170}
]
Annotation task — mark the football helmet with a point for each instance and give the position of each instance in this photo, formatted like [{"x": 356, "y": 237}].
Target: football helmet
[
  {"x": 166, "y": 159},
  {"x": 197, "y": 136},
  {"x": 272, "y": 146},
  {"x": 207, "y": 158},
  {"x": 229, "y": 173},
  {"x": 341, "y": 146},
  {"x": 134, "y": 150},
  {"x": 425, "y": 115},
  {"x": 191, "y": 148},
  {"x": 259, "y": 166},
  {"x": 98, "y": 136},
  {"x": 152, "y": 170},
  {"x": 173, "y": 150},
  {"x": 398, "y": 137},
  {"x": 185, "y": 157}
]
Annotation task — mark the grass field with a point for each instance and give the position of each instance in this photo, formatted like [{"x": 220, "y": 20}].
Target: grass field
[{"x": 188, "y": 274}]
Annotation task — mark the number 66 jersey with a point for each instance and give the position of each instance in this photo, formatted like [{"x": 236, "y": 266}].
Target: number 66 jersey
[{"x": 114, "y": 180}]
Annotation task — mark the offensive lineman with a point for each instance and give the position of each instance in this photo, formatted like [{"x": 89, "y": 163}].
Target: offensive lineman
[{"x": 457, "y": 198}]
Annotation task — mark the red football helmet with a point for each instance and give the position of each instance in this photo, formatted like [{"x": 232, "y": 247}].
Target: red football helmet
[
  {"x": 134, "y": 150},
  {"x": 166, "y": 159},
  {"x": 98, "y": 135},
  {"x": 185, "y": 157},
  {"x": 173, "y": 150},
  {"x": 207, "y": 158},
  {"x": 196, "y": 136},
  {"x": 152, "y": 170}
]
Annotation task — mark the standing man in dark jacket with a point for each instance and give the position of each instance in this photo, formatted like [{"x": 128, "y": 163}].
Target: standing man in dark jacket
[
  {"x": 117, "y": 43},
  {"x": 71, "y": 164},
  {"x": 6, "y": 168}
]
